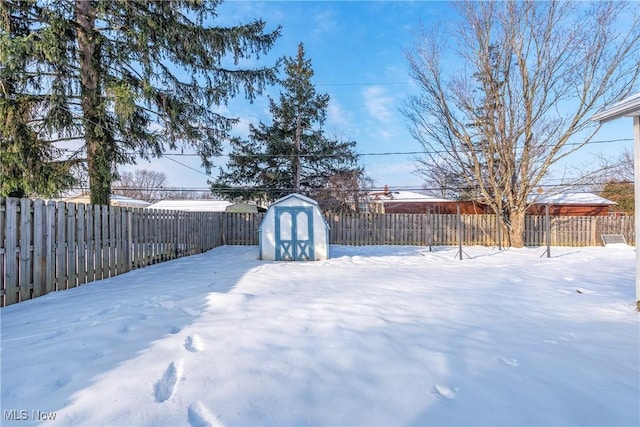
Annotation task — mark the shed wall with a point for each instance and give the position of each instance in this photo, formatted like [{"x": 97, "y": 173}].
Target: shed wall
[{"x": 268, "y": 233}]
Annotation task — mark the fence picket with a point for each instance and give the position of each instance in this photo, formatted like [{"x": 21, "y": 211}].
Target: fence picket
[
  {"x": 51, "y": 282},
  {"x": 90, "y": 243},
  {"x": 81, "y": 248},
  {"x": 25, "y": 266},
  {"x": 72, "y": 262},
  {"x": 3, "y": 285},
  {"x": 11, "y": 247},
  {"x": 39, "y": 242}
]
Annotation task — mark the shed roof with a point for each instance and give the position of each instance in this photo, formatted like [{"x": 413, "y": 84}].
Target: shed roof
[{"x": 297, "y": 196}]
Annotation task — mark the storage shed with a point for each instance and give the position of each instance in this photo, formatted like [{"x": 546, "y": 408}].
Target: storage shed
[{"x": 293, "y": 229}]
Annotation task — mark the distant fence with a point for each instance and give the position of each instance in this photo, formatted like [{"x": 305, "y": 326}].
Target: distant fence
[
  {"x": 425, "y": 229},
  {"x": 54, "y": 246}
]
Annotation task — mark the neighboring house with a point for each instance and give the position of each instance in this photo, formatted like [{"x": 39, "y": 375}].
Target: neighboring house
[
  {"x": 570, "y": 204},
  {"x": 567, "y": 204},
  {"x": 115, "y": 200},
  {"x": 206, "y": 206},
  {"x": 192, "y": 205},
  {"x": 410, "y": 202}
]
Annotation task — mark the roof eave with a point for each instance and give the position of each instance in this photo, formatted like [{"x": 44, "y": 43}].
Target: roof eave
[{"x": 629, "y": 107}]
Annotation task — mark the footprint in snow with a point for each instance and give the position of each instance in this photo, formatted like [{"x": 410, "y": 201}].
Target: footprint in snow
[
  {"x": 193, "y": 343},
  {"x": 191, "y": 311},
  {"x": 511, "y": 362},
  {"x": 61, "y": 382},
  {"x": 166, "y": 386},
  {"x": 166, "y": 304},
  {"x": 199, "y": 416},
  {"x": 443, "y": 391}
]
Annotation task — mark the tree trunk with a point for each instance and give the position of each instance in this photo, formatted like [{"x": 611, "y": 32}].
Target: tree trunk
[
  {"x": 516, "y": 232},
  {"x": 296, "y": 155},
  {"x": 95, "y": 135}
]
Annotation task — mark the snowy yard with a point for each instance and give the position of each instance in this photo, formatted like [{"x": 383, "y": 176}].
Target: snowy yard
[{"x": 374, "y": 336}]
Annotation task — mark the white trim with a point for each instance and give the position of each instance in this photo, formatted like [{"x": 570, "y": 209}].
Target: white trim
[{"x": 628, "y": 107}]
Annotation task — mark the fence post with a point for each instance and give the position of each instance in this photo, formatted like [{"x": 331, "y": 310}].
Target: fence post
[
  {"x": 548, "y": 228},
  {"x": 428, "y": 228}
]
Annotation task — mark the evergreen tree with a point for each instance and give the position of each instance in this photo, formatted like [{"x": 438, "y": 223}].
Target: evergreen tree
[
  {"x": 28, "y": 165},
  {"x": 128, "y": 77},
  {"x": 292, "y": 154}
]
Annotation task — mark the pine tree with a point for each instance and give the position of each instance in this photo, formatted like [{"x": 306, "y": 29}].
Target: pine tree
[
  {"x": 28, "y": 165},
  {"x": 129, "y": 77},
  {"x": 292, "y": 154}
]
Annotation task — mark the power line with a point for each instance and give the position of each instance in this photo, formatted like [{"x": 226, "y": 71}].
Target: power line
[
  {"x": 579, "y": 186},
  {"x": 387, "y": 153},
  {"x": 408, "y": 82},
  {"x": 188, "y": 167}
]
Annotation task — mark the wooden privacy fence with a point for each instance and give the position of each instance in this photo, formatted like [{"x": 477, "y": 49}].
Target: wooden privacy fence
[
  {"x": 425, "y": 230},
  {"x": 54, "y": 246}
]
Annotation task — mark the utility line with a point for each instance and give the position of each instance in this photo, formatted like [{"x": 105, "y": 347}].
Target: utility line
[
  {"x": 580, "y": 187},
  {"x": 388, "y": 153},
  {"x": 188, "y": 167}
]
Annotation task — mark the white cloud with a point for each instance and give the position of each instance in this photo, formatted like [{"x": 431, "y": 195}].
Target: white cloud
[
  {"x": 378, "y": 103},
  {"x": 338, "y": 117},
  {"x": 325, "y": 22},
  {"x": 395, "y": 174}
]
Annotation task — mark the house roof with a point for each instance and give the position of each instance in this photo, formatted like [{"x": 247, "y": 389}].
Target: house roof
[
  {"x": 191, "y": 205},
  {"x": 114, "y": 199},
  {"x": 572, "y": 199},
  {"x": 128, "y": 201},
  {"x": 405, "y": 196},
  {"x": 628, "y": 107}
]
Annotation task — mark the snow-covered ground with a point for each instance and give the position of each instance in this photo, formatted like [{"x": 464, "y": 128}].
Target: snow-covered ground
[{"x": 375, "y": 336}]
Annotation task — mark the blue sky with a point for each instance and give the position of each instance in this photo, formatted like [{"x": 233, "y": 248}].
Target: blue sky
[{"x": 357, "y": 53}]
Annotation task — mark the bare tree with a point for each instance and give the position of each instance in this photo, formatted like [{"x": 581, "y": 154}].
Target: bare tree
[
  {"x": 530, "y": 76},
  {"x": 440, "y": 181},
  {"x": 141, "y": 184},
  {"x": 626, "y": 171},
  {"x": 187, "y": 194},
  {"x": 344, "y": 191}
]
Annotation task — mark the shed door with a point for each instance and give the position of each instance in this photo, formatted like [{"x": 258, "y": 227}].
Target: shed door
[{"x": 294, "y": 233}]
